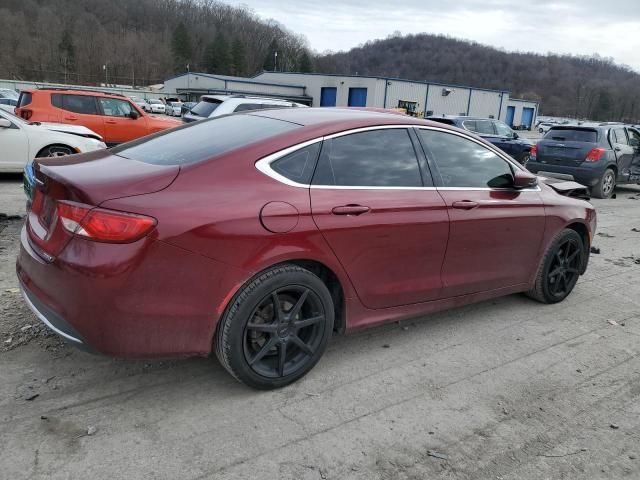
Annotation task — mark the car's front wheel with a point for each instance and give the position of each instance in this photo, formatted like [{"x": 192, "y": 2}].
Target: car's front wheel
[
  {"x": 276, "y": 327},
  {"x": 560, "y": 268},
  {"x": 55, "y": 151}
]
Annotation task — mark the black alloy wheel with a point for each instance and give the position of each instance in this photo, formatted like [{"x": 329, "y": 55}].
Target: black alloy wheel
[
  {"x": 560, "y": 268},
  {"x": 276, "y": 328},
  {"x": 284, "y": 331},
  {"x": 565, "y": 268}
]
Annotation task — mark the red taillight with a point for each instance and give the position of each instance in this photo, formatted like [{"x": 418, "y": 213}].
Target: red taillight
[
  {"x": 25, "y": 113},
  {"x": 595, "y": 154},
  {"x": 103, "y": 225},
  {"x": 534, "y": 151}
]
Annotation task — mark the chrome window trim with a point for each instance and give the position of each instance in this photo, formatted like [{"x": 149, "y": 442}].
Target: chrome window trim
[{"x": 264, "y": 164}]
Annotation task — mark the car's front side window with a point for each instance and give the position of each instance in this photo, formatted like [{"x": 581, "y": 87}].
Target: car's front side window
[
  {"x": 463, "y": 163},
  {"x": 485, "y": 127},
  {"x": 115, "y": 108},
  {"x": 503, "y": 130},
  {"x": 376, "y": 158}
]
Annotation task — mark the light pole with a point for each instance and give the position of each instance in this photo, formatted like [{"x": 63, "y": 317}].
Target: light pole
[
  {"x": 275, "y": 61},
  {"x": 106, "y": 78},
  {"x": 188, "y": 84}
]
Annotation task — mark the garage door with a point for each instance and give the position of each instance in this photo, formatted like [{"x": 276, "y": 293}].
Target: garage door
[
  {"x": 357, "y": 97},
  {"x": 527, "y": 117},
  {"x": 328, "y": 97}
]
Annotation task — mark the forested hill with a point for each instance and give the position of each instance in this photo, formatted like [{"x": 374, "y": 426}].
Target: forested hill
[
  {"x": 585, "y": 87},
  {"x": 141, "y": 42}
]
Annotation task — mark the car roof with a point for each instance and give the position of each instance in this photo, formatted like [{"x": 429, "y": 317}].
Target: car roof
[
  {"x": 337, "y": 119},
  {"x": 241, "y": 98},
  {"x": 74, "y": 91}
]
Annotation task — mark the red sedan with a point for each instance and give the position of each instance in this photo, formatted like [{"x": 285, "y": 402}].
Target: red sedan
[{"x": 259, "y": 235}]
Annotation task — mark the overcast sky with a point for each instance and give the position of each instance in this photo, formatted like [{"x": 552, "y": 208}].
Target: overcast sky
[{"x": 610, "y": 28}]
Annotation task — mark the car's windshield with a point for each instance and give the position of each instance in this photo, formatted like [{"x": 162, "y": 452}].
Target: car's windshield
[{"x": 155, "y": 102}]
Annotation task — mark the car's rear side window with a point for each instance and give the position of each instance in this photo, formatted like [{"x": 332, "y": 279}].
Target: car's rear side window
[
  {"x": 82, "y": 104},
  {"x": 572, "y": 135},
  {"x": 199, "y": 141},
  {"x": 206, "y": 107},
  {"x": 377, "y": 158},
  {"x": 299, "y": 165}
]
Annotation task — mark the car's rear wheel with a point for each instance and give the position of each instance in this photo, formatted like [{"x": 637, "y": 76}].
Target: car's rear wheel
[
  {"x": 525, "y": 158},
  {"x": 276, "y": 327},
  {"x": 560, "y": 268},
  {"x": 606, "y": 185},
  {"x": 56, "y": 151}
]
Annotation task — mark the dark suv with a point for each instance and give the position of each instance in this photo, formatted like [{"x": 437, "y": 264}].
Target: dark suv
[
  {"x": 599, "y": 156},
  {"x": 494, "y": 131}
]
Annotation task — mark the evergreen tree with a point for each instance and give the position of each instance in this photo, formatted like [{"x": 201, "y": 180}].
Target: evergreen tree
[
  {"x": 217, "y": 56},
  {"x": 67, "y": 53},
  {"x": 239, "y": 58},
  {"x": 305, "y": 65},
  {"x": 181, "y": 46}
]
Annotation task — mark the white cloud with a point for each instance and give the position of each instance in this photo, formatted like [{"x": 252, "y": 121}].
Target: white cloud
[{"x": 610, "y": 29}]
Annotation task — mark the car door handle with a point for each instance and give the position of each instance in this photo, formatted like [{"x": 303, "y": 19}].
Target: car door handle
[
  {"x": 618, "y": 149},
  {"x": 350, "y": 210},
  {"x": 465, "y": 205},
  {"x": 71, "y": 118},
  {"x": 110, "y": 122}
]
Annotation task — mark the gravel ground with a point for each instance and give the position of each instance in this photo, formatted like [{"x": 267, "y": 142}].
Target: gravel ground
[{"x": 507, "y": 389}]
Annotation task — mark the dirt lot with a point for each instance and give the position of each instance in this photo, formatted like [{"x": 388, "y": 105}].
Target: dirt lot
[{"x": 508, "y": 389}]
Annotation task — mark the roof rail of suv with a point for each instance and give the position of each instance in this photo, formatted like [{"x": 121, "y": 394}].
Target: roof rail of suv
[
  {"x": 604, "y": 124},
  {"x": 78, "y": 89}
]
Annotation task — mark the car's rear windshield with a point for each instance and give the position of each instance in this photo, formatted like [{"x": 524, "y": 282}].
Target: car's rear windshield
[
  {"x": 206, "y": 107},
  {"x": 199, "y": 141},
  {"x": 573, "y": 135}
]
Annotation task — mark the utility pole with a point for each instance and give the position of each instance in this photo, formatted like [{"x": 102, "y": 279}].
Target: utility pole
[
  {"x": 106, "y": 77},
  {"x": 188, "y": 83}
]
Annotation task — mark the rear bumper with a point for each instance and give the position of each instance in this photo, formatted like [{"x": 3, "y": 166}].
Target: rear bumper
[
  {"x": 588, "y": 176},
  {"x": 139, "y": 300},
  {"x": 54, "y": 321}
]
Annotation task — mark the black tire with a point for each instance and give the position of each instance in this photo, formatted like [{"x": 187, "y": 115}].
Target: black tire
[
  {"x": 268, "y": 349},
  {"x": 540, "y": 130},
  {"x": 56, "y": 151},
  {"x": 606, "y": 185},
  {"x": 524, "y": 159},
  {"x": 560, "y": 268}
]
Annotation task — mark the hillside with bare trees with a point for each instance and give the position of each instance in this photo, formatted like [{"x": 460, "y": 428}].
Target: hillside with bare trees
[
  {"x": 580, "y": 87},
  {"x": 140, "y": 42}
]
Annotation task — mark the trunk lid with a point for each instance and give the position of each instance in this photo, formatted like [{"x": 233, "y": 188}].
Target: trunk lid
[
  {"x": 89, "y": 179},
  {"x": 567, "y": 146}
]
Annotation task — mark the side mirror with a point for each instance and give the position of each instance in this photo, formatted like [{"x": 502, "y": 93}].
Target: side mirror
[
  {"x": 515, "y": 136},
  {"x": 4, "y": 123},
  {"x": 524, "y": 179},
  {"x": 133, "y": 115}
]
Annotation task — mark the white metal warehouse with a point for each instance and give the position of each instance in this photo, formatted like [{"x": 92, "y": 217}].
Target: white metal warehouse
[{"x": 327, "y": 90}]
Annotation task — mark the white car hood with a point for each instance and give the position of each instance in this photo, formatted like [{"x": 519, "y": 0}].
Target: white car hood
[{"x": 72, "y": 129}]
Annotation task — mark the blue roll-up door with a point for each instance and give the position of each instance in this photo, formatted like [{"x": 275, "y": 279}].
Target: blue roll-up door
[
  {"x": 328, "y": 96},
  {"x": 357, "y": 97},
  {"x": 511, "y": 112},
  {"x": 527, "y": 117}
]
